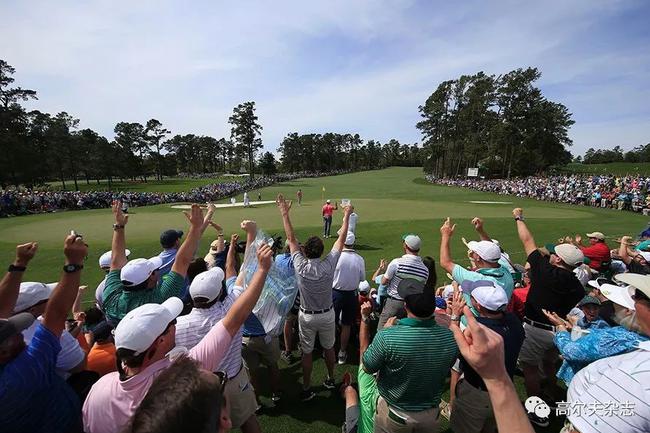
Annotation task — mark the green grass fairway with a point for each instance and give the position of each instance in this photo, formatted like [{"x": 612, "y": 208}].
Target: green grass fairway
[
  {"x": 152, "y": 185},
  {"x": 617, "y": 168},
  {"x": 389, "y": 202}
]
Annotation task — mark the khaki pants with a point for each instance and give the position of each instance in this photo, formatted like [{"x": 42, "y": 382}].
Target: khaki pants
[
  {"x": 391, "y": 420},
  {"x": 472, "y": 411},
  {"x": 241, "y": 397}
]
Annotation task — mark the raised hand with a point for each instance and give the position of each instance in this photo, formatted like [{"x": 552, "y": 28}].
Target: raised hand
[
  {"x": 234, "y": 238},
  {"x": 458, "y": 302},
  {"x": 517, "y": 212},
  {"x": 249, "y": 226},
  {"x": 481, "y": 347},
  {"x": 283, "y": 205},
  {"x": 447, "y": 228},
  {"x": 25, "y": 252},
  {"x": 216, "y": 226},
  {"x": 265, "y": 256},
  {"x": 382, "y": 264},
  {"x": 366, "y": 309},
  {"x": 477, "y": 223},
  {"x": 120, "y": 217},
  {"x": 74, "y": 249},
  {"x": 195, "y": 217},
  {"x": 347, "y": 210},
  {"x": 578, "y": 238},
  {"x": 207, "y": 220}
]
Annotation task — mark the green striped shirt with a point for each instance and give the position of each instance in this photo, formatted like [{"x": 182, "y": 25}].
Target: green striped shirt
[
  {"x": 117, "y": 301},
  {"x": 413, "y": 359}
]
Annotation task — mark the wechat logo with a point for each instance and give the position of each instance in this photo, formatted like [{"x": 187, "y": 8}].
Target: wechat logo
[{"x": 537, "y": 406}]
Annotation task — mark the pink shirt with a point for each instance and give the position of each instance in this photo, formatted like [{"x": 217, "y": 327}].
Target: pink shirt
[
  {"x": 111, "y": 403},
  {"x": 328, "y": 210}
]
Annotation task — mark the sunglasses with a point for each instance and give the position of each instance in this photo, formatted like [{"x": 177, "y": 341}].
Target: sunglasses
[{"x": 223, "y": 379}]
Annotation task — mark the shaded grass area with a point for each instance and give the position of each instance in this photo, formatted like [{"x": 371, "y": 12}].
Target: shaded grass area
[
  {"x": 151, "y": 185},
  {"x": 616, "y": 168},
  {"x": 389, "y": 202}
]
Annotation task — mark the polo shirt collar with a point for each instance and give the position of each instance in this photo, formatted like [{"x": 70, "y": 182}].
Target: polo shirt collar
[{"x": 418, "y": 323}]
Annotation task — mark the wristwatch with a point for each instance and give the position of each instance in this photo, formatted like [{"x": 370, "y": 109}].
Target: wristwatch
[
  {"x": 14, "y": 268},
  {"x": 519, "y": 218},
  {"x": 70, "y": 268},
  {"x": 118, "y": 226},
  {"x": 455, "y": 318}
]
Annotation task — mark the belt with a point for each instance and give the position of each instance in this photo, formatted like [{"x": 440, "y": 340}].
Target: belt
[
  {"x": 315, "y": 311},
  {"x": 539, "y": 325},
  {"x": 344, "y": 291},
  {"x": 253, "y": 336},
  {"x": 395, "y": 299}
]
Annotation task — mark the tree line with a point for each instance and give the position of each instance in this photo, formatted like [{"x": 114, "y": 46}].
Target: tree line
[
  {"x": 502, "y": 124},
  {"x": 602, "y": 156},
  {"x": 38, "y": 147}
]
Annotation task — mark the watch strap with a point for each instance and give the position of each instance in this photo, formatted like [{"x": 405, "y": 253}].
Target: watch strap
[
  {"x": 70, "y": 268},
  {"x": 14, "y": 268}
]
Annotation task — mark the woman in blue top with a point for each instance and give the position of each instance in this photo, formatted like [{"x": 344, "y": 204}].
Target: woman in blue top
[{"x": 598, "y": 343}]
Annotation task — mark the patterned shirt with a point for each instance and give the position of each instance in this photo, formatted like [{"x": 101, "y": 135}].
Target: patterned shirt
[
  {"x": 413, "y": 359},
  {"x": 190, "y": 329},
  {"x": 407, "y": 266}
]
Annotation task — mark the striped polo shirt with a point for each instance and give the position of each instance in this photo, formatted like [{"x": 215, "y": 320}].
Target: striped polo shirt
[
  {"x": 407, "y": 266},
  {"x": 191, "y": 328},
  {"x": 413, "y": 359},
  {"x": 612, "y": 394}
]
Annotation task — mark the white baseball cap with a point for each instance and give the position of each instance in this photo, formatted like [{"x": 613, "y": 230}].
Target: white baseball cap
[
  {"x": 364, "y": 286},
  {"x": 645, "y": 255},
  {"x": 31, "y": 293},
  {"x": 570, "y": 254},
  {"x": 487, "y": 293},
  {"x": 140, "y": 327},
  {"x": 618, "y": 295},
  {"x": 105, "y": 259},
  {"x": 448, "y": 291},
  {"x": 137, "y": 271},
  {"x": 350, "y": 238},
  {"x": 412, "y": 241},
  {"x": 207, "y": 284},
  {"x": 488, "y": 251},
  {"x": 596, "y": 235}
]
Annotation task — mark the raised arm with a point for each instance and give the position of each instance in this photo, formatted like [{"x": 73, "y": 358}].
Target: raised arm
[
  {"x": 285, "y": 207},
  {"x": 478, "y": 226},
  {"x": 364, "y": 329},
  {"x": 220, "y": 241},
  {"x": 63, "y": 296},
  {"x": 250, "y": 227},
  {"x": 198, "y": 224},
  {"x": 623, "y": 250},
  {"x": 231, "y": 270},
  {"x": 525, "y": 236},
  {"x": 380, "y": 269},
  {"x": 10, "y": 284},
  {"x": 118, "y": 247},
  {"x": 343, "y": 233},
  {"x": 243, "y": 306},
  {"x": 482, "y": 348},
  {"x": 446, "y": 232}
]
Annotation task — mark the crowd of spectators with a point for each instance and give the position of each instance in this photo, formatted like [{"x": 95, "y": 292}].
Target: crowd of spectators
[
  {"x": 607, "y": 191},
  {"x": 21, "y": 201},
  {"x": 176, "y": 342}
]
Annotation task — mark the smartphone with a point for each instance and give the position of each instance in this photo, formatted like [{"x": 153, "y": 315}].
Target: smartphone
[
  {"x": 345, "y": 202},
  {"x": 74, "y": 233}
]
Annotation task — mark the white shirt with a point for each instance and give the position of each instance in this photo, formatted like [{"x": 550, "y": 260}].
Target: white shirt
[
  {"x": 70, "y": 355},
  {"x": 352, "y": 222},
  {"x": 191, "y": 328},
  {"x": 622, "y": 380},
  {"x": 349, "y": 272}
]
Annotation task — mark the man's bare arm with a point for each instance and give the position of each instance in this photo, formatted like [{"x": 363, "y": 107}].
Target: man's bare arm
[{"x": 10, "y": 284}]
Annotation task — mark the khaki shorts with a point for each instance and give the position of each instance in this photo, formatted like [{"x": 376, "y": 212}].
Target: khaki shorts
[
  {"x": 256, "y": 350},
  {"x": 472, "y": 410},
  {"x": 241, "y": 397},
  {"x": 313, "y": 325},
  {"x": 538, "y": 345},
  {"x": 391, "y": 420}
]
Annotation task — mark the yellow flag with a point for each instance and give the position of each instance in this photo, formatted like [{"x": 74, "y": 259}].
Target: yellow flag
[{"x": 323, "y": 188}]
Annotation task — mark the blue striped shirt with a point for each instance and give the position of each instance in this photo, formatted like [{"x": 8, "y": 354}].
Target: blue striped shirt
[{"x": 33, "y": 397}]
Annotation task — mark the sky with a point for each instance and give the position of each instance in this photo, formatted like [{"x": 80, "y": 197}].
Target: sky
[{"x": 357, "y": 66}]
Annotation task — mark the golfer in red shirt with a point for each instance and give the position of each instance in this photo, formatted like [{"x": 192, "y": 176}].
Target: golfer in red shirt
[{"x": 328, "y": 210}]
